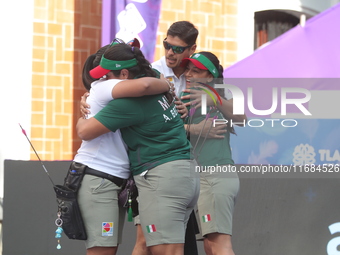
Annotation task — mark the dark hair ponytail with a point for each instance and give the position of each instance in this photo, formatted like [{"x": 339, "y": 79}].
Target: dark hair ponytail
[
  {"x": 144, "y": 67},
  {"x": 91, "y": 62},
  {"x": 86, "y": 77},
  {"x": 220, "y": 70}
]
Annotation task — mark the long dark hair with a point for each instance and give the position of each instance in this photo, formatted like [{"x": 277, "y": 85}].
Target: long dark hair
[
  {"x": 212, "y": 57},
  {"x": 91, "y": 62}
]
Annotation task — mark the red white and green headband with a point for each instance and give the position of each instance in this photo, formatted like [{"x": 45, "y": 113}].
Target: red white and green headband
[{"x": 202, "y": 62}]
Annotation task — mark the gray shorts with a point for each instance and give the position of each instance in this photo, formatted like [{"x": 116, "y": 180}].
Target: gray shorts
[
  {"x": 103, "y": 218},
  {"x": 216, "y": 203},
  {"x": 167, "y": 195}
]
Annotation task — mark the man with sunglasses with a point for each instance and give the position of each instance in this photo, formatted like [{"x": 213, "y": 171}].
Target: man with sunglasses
[{"x": 180, "y": 43}]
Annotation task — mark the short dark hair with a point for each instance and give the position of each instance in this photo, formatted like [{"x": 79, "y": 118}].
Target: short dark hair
[{"x": 185, "y": 30}]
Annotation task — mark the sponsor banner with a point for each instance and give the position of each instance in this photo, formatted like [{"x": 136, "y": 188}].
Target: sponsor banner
[
  {"x": 107, "y": 228},
  {"x": 312, "y": 141}
]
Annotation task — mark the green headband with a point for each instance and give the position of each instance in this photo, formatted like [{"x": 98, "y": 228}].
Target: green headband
[
  {"x": 116, "y": 64},
  {"x": 207, "y": 63}
]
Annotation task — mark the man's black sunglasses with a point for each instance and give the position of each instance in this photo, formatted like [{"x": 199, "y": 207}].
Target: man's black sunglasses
[{"x": 175, "y": 49}]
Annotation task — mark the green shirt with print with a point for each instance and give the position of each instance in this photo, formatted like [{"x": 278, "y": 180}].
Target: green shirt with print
[{"x": 151, "y": 128}]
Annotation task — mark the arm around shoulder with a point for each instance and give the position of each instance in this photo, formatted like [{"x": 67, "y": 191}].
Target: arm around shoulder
[
  {"x": 140, "y": 87},
  {"x": 88, "y": 129}
]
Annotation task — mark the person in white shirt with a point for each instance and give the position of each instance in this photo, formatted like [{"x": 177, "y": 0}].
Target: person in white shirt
[{"x": 179, "y": 43}]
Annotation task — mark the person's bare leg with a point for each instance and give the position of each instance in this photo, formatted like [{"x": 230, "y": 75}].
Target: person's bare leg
[
  {"x": 167, "y": 249},
  {"x": 217, "y": 243},
  {"x": 102, "y": 251},
  {"x": 140, "y": 245}
]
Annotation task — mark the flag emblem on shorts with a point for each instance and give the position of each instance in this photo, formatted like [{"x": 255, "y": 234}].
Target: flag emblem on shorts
[
  {"x": 206, "y": 218},
  {"x": 151, "y": 228},
  {"x": 107, "y": 229}
]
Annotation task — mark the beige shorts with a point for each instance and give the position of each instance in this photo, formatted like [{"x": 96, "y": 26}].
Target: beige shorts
[
  {"x": 103, "y": 218},
  {"x": 167, "y": 195},
  {"x": 216, "y": 203}
]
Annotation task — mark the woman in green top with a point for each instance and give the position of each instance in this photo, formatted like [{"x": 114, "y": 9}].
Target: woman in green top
[
  {"x": 219, "y": 184},
  {"x": 158, "y": 151}
]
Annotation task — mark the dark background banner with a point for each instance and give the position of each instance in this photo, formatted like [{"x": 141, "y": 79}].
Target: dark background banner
[{"x": 274, "y": 216}]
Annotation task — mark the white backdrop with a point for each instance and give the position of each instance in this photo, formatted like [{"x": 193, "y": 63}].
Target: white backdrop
[{"x": 16, "y": 26}]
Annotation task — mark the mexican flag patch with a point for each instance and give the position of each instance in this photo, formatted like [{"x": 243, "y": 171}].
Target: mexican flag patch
[
  {"x": 206, "y": 218},
  {"x": 151, "y": 228}
]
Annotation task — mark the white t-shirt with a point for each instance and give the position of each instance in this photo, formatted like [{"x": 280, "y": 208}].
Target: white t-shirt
[
  {"x": 168, "y": 73},
  {"x": 106, "y": 153}
]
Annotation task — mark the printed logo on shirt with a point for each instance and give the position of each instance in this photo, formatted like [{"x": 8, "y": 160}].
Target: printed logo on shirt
[
  {"x": 206, "y": 218},
  {"x": 107, "y": 228},
  {"x": 151, "y": 228},
  {"x": 172, "y": 113},
  {"x": 164, "y": 103}
]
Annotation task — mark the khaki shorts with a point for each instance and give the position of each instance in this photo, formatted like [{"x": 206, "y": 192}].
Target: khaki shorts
[
  {"x": 167, "y": 196},
  {"x": 216, "y": 203},
  {"x": 103, "y": 218}
]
